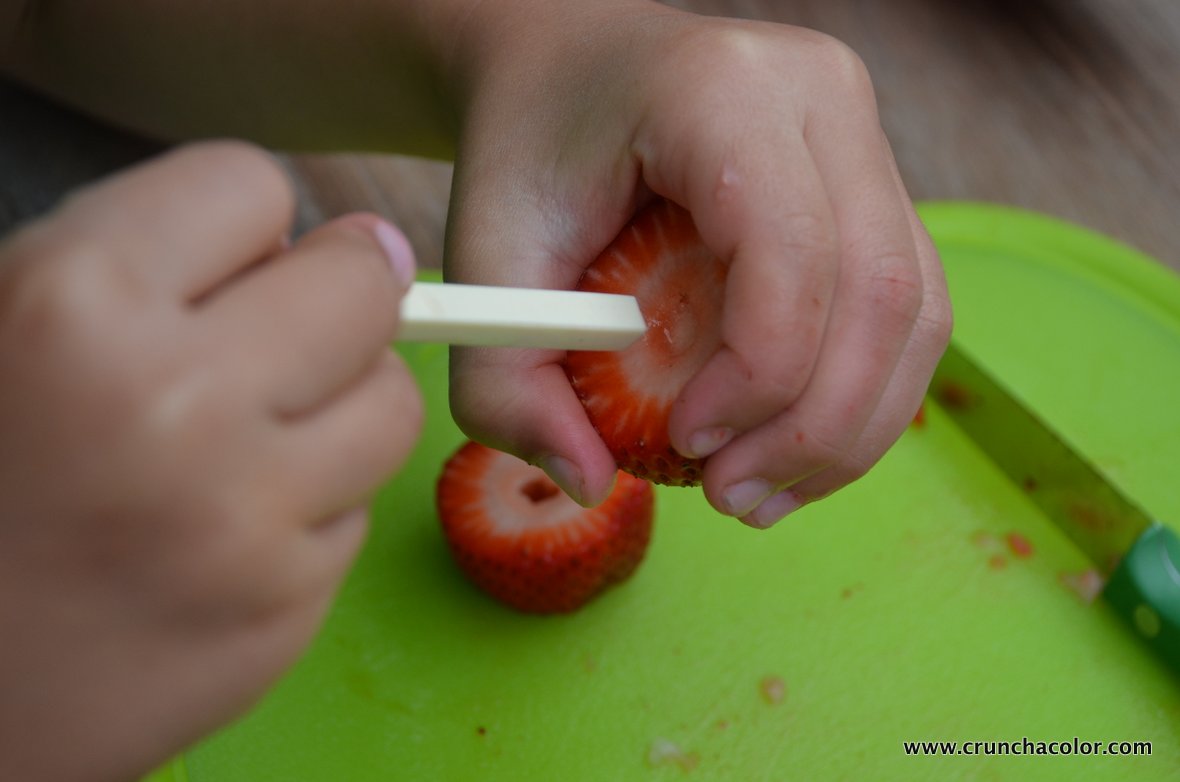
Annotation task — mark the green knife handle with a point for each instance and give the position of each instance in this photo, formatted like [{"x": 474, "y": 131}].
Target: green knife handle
[{"x": 1145, "y": 590}]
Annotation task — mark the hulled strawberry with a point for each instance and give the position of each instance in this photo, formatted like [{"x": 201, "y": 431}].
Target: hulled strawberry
[
  {"x": 661, "y": 260},
  {"x": 524, "y": 542}
]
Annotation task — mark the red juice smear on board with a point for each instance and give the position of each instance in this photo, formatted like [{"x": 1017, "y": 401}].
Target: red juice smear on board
[
  {"x": 955, "y": 395},
  {"x": 1019, "y": 545},
  {"x": 919, "y": 420}
]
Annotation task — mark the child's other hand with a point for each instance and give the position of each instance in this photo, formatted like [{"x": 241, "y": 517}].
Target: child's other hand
[
  {"x": 836, "y": 311},
  {"x": 193, "y": 415}
]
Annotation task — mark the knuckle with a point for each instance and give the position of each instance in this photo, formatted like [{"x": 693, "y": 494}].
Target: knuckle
[
  {"x": 732, "y": 50},
  {"x": 775, "y": 379},
  {"x": 821, "y": 447},
  {"x": 402, "y": 402},
  {"x": 825, "y": 450},
  {"x": 936, "y": 320},
  {"x": 253, "y": 165},
  {"x": 241, "y": 155},
  {"x": 183, "y": 402},
  {"x": 841, "y": 68},
  {"x": 808, "y": 235},
  {"x": 52, "y": 306},
  {"x": 896, "y": 289},
  {"x": 831, "y": 480},
  {"x": 478, "y": 402},
  {"x": 54, "y": 297},
  {"x": 852, "y": 468},
  {"x": 786, "y": 382},
  {"x": 142, "y": 385},
  {"x": 393, "y": 420}
]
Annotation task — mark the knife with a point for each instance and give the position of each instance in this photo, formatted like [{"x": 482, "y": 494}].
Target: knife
[
  {"x": 1136, "y": 555},
  {"x": 489, "y": 315}
]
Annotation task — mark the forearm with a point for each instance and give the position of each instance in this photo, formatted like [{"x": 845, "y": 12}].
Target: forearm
[{"x": 304, "y": 74}]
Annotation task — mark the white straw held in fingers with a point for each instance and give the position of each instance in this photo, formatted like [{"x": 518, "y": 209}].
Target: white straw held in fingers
[{"x": 519, "y": 317}]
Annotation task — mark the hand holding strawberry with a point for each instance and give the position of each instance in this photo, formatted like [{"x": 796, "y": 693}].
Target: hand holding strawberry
[
  {"x": 834, "y": 311},
  {"x": 173, "y": 531}
]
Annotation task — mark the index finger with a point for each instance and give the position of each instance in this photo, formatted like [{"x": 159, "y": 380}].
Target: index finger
[
  {"x": 189, "y": 219},
  {"x": 766, "y": 208}
]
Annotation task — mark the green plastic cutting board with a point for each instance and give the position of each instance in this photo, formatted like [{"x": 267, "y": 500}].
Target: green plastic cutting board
[{"x": 891, "y": 612}]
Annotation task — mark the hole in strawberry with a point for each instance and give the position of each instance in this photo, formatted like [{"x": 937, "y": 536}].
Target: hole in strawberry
[{"x": 539, "y": 489}]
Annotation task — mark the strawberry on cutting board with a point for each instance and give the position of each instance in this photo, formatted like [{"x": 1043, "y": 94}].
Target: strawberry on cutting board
[
  {"x": 524, "y": 542},
  {"x": 661, "y": 260}
]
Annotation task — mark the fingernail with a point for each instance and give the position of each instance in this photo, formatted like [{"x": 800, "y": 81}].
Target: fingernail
[
  {"x": 567, "y": 477},
  {"x": 773, "y": 510},
  {"x": 397, "y": 250},
  {"x": 742, "y": 498},
  {"x": 706, "y": 442}
]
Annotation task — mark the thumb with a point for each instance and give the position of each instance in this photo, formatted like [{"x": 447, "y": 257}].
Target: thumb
[
  {"x": 367, "y": 227},
  {"x": 334, "y": 294},
  {"x": 520, "y": 400}
]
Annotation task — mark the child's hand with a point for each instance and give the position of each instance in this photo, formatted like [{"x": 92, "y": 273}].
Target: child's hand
[
  {"x": 193, "y": 416},
  {"x": 836, "y": 310}
]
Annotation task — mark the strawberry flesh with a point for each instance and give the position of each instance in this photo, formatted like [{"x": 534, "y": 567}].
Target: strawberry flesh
[
  {"x": 520, "y": 539},
  {"x": 661, "y": 260}
]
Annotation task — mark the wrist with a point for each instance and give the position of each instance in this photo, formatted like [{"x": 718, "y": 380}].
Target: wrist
[{"x": 521, "y": 42}]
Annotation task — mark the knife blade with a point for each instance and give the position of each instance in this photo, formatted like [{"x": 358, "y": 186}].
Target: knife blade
[{"x": 1137, "y": 556}]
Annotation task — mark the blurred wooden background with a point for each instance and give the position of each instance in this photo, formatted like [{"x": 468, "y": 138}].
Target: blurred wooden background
[{"x": 1070, "y": 107}]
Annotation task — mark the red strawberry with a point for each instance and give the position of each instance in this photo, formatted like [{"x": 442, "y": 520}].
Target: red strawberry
[
  {"x": 660, "y": 259},
  {"x": 523, "y": 541}
]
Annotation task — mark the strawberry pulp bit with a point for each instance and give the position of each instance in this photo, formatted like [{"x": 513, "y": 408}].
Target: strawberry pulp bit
[
  {"x": 773, "y": 689},
  {"x": 665, "y": 752}
]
